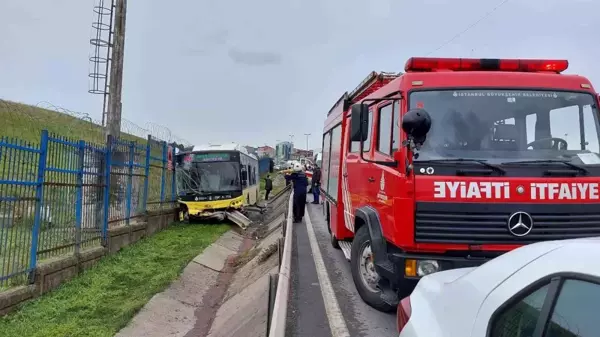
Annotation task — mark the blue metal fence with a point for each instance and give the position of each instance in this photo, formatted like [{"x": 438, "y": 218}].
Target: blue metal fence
[{"x": 62, "y": 195}]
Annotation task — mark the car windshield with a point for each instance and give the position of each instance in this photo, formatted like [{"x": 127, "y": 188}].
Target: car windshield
[
  {"x": 208, "y": 177},
  {"x": 510, "y": 125}
]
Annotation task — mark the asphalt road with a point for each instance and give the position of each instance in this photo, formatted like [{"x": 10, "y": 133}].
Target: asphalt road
[{"x": 307, "y": 313}]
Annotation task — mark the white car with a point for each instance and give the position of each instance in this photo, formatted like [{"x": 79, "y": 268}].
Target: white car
[{"x": 546, "y": 289}]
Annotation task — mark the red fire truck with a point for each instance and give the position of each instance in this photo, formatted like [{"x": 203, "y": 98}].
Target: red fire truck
[{"x": 455, "y": 162}]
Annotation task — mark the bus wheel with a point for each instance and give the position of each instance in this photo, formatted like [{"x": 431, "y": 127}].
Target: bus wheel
[
  {"x": 363, "y": 271},
  {"x": 184, "y": 216}
]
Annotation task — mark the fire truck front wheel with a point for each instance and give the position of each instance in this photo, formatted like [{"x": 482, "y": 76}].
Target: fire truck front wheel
[{"x": 363, "y": 271}]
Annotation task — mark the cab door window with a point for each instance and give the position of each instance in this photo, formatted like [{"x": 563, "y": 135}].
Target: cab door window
[
  {"x": 384, "y": 129},
  {"x": 396, "y": 127}
]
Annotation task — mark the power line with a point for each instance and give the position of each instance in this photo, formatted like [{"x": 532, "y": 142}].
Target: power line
[{"x": 488, "y": 14}]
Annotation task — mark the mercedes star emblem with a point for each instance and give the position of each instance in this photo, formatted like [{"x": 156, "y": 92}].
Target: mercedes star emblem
[{"x": 520, "y": 224}]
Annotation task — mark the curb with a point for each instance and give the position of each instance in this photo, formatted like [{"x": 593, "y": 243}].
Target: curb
[{"x": 278, "y": 321}]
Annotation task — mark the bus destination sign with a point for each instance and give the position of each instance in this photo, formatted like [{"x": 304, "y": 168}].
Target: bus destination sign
[{"x": 211, "y": 156}]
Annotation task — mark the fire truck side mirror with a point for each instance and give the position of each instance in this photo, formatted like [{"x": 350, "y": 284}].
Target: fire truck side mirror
[
  {"x": 359, "y": 122},
  {"x": 416, "y": 123}
]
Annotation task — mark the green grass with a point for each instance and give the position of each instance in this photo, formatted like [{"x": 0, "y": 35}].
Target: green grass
[{"x": 103, "y": 300}]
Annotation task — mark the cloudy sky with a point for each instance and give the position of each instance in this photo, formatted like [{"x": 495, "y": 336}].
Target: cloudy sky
[{"x": 257, "y": 71}]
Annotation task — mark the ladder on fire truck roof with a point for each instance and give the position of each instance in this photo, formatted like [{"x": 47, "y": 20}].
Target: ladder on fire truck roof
[
  {"x": 369, "y": 85},
  {"x": 373, "y": 82}
]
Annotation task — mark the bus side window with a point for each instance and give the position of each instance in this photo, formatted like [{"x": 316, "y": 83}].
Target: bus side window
[{"x": 244, "y": 176}]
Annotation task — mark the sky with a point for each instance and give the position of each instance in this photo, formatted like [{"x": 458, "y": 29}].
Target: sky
[{"x": 256, "y": 72}]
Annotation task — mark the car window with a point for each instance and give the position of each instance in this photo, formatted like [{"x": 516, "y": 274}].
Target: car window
[
  {"x": 520, "y": 319},
  {"x": 576, "y": 311}
]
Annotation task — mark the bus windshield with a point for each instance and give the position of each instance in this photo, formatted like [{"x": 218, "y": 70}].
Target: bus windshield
[
  {"x": 510, "y": 125},
  {"x": 208, "y": 177}
]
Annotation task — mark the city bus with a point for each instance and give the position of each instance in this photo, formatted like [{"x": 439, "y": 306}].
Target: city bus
[{"x": 213, "y": 180}]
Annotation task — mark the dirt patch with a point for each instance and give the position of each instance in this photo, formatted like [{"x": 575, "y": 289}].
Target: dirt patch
[
  {"x": 267, "y": 252},
  {"x": 213, "y": 298},
  {"x": 245, "y": 257}
]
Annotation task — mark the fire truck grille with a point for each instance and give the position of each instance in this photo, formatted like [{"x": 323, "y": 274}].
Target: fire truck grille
[{"x": 476, "y": 224}]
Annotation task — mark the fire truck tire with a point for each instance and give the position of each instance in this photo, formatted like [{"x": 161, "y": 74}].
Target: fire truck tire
[{"x": 368, "y": 293}]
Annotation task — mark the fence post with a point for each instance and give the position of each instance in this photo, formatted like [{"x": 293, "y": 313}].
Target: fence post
[
  {"x": 173, "y": 178},
  {"x": 107, "y": 169},
  {"x": 79, "y": 196},
  {"x": 147, "y": 174},
  {"x": 129, "y": 181},
  {"x": 39, "y": 197},
  {"x": 164, "y": 174}
]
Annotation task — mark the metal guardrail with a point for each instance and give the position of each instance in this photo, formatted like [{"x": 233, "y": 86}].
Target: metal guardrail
[{"x": 279, "y": 317}]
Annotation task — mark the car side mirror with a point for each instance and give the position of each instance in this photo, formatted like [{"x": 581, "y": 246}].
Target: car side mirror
[
  {"x": 244, "y": 175},
  {"x": 359, "y": 123}
]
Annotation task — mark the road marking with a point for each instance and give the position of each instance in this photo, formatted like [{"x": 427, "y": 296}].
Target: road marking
[{"x": 337, "y": 324}]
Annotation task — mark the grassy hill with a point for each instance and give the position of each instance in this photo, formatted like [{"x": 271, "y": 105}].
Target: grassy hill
[{"x": 26, "y": 122}]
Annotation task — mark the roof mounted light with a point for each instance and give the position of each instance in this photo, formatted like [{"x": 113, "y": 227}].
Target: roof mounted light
[{"x": 418, "y": 64}]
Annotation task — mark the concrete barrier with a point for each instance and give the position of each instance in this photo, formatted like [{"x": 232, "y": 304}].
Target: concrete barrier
[
  {"x": 279, "y": 310},
  {"x": 246, "y": 309}
]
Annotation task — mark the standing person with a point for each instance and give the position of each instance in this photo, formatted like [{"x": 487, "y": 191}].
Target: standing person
[
  {"x": 299, "y": 183},
  {"x": 316, "y": 184},
  {"x": 268, "y": 186}
]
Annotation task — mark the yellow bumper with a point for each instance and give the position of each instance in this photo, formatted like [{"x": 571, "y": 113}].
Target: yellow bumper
[{"x": 200, "y": 208}]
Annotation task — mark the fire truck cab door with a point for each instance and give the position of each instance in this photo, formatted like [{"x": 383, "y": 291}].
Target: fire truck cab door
[
  {"x": 360, "y": 179},
  {"x": 386, "y": 141}
]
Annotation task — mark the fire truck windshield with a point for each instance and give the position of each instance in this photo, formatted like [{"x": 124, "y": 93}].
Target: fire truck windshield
[{"x": 510, "y": 125}]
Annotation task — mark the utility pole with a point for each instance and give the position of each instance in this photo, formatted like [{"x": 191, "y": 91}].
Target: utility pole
[
  {"x": 292, "y": 140},
  {"x": 307, "y": 134},
  {"x": 114, "y": 104},
  {"x": 113, "y": 118}
]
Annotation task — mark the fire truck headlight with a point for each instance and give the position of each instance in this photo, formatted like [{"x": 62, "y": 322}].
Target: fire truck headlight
[{"x": 426, "y": 267}]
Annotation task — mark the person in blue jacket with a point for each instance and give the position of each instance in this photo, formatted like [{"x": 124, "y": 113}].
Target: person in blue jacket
[{"x": 300, "y": 184}]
